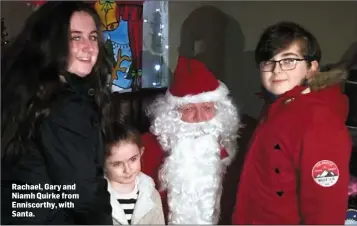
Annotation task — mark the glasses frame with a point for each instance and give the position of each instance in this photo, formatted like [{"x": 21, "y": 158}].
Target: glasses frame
[{"x": 296, "y": 60}]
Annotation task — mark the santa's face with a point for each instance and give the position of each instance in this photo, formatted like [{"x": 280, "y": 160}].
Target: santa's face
[
  {"x": 193, "y": 136},
  {"x": 197, "y": 112},
  {"x": 171, "y": 123}
]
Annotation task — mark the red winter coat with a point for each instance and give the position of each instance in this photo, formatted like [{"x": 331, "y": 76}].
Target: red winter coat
[
  {"x": 296, "y": 169},
  {"x": 152, "y": 159}
]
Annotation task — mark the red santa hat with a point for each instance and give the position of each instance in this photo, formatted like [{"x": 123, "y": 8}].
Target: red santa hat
[{"x": 194, "y": 83}]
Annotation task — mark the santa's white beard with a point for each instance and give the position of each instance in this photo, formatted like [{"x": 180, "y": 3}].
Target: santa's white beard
[{"x": 192, "y": 176}]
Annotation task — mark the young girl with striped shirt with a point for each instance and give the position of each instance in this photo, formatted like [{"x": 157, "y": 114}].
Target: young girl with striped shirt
[{"x": 133, "y": 196}]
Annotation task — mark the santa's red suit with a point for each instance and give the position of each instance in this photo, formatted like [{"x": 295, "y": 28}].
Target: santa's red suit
[{"x": 192, "y": 156}]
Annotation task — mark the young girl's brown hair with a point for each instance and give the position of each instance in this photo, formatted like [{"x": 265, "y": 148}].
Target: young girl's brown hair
[{"x": 119, "y": 132}]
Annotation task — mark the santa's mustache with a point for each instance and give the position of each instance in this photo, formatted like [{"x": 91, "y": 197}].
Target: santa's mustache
[{"x": 184, "y": 129}]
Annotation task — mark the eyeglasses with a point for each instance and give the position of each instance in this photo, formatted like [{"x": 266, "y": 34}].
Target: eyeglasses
[{"x": 286, "y": 64}]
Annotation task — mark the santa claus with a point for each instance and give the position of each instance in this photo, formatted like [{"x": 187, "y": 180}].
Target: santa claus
[{"x": 193, "y": 139}]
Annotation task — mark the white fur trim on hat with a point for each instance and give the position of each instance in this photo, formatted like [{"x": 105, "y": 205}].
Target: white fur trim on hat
[{"x": 212, "y": 96}]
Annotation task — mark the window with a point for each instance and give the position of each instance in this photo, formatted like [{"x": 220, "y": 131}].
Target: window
[
  {"x": 136, "y": 38},
  {"x": 156, "y": 72}
]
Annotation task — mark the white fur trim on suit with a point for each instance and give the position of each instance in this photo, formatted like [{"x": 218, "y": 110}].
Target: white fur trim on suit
[{"x": 212, "y": 96}]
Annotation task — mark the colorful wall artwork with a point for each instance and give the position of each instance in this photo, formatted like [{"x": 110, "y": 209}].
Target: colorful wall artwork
[{"x": 122, "y": 24}]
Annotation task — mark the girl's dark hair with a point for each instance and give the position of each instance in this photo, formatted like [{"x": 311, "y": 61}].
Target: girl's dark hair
[
  {"x": 280, "y": 36},
  {"x": 31, "y": 67},
  {"x": 119, "y": 132}
]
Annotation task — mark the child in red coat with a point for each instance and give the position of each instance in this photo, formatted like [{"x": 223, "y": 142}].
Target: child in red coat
[{"x": 296, "y": 169}]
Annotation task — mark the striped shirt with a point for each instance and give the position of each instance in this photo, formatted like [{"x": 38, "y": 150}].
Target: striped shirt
[{"x": 127, "y": 202}]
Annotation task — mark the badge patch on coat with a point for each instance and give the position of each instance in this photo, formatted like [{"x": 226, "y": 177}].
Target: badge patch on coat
[{"x": 325, "y": 173}]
